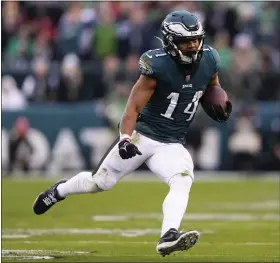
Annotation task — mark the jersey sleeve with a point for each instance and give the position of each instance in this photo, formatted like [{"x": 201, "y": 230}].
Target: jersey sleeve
[
  {"x": 216, "y": 60},
  {"x": 147, "y": 65}
]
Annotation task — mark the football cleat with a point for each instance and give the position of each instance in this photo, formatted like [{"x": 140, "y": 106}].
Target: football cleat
[
  {"x": 47, "y": 199},
  {"x": 173, "y": 241}
]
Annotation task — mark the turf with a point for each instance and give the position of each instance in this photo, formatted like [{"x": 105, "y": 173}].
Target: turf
[{"x": 238, "y": 221}]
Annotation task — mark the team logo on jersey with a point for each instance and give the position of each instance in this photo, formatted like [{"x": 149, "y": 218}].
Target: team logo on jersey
[
  {"x": 187, "y": 86},
  {"x": 188, "y": 77},
  {"x": 145, "y": 67}
]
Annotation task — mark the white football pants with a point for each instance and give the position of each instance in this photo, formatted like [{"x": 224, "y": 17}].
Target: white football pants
[{"x": 164, "y": 159}]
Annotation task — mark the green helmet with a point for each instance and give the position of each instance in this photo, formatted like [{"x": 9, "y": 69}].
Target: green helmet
[{"x": 178, "y": 26}]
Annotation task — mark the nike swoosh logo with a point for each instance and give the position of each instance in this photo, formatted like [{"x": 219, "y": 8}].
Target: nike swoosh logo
[{"x": 149, "y": 56}]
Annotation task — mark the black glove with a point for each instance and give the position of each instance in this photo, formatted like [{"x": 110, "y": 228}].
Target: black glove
[
  {"x": 217, "y": 112},
  {"x": 127, "y": 149}
]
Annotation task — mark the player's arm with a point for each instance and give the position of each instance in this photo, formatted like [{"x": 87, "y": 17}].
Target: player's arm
[
  {"x": 139, "y": 96},
  {"x": 217, "y": 112},
  {"x": 214, "y": 82}
]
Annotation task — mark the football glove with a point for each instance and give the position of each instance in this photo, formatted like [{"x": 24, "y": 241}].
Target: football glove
[
  {"x": 127, "y": 149},
  {"x": 217, "y": 112}
]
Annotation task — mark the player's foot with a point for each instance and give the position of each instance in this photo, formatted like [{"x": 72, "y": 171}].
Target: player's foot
[
  {"x": 47, "y": 199},
  {"x": 173, "y": 241}
]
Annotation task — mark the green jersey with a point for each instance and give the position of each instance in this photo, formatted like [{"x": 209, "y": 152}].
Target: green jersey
[{"x": 172, "y": 107}]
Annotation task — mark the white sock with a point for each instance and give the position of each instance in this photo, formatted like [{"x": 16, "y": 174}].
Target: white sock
[
  {"x": 175, "y": 203},
  {"x": 79, "y": 184}
]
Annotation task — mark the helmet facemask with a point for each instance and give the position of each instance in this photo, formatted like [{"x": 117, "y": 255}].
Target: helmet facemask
[{"x": 188, "y": 57}]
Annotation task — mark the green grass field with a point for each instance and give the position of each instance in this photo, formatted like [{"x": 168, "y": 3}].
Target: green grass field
[{"x": 238, "y": 221}]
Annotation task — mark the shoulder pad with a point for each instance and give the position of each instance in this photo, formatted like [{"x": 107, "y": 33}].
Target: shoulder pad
[
  {"x": 213, "y": 56},
  {"x": 150, "y": 64}
]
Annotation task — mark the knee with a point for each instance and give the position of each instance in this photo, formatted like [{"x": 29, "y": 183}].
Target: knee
[
  {"x": 87, "y": 182},
  {"x": 103, "y": 180},
  {"x": 181, "y": 182}
]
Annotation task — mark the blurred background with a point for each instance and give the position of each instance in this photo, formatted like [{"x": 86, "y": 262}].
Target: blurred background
[{"x": 68, "y": 68}]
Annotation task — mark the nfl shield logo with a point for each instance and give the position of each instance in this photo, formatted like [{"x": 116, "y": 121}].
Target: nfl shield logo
[{"x": 188, "y": 77}]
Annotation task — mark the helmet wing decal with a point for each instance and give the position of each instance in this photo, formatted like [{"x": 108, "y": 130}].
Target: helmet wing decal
[{"x": 180, "y": 30}]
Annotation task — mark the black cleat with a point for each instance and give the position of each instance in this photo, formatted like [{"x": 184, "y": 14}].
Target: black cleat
[
  {"x": 173, "y": 241},
  {"x": 47, "y": 199}
]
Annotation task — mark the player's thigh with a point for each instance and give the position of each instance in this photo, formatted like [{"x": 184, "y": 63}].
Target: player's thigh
[
  {"x": 112, "y": 167},
  {"x": 169, "y": 160}
]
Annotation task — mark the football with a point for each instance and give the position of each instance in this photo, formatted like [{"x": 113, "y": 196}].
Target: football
[{"x": 216, "y": 96}]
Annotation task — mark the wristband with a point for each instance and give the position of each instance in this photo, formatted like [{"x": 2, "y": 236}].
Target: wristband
[{"x": 124, "y": 136}]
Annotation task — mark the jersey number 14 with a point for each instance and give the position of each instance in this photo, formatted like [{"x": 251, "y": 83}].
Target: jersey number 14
[{"x": 190, "y": 109}]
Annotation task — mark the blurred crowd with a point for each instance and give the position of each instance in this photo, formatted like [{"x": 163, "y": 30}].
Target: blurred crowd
[
  {"x": 72, "y": 51},
  {"x": 58, "y": 51}
]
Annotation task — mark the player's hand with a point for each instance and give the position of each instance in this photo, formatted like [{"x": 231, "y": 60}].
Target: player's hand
[
  {"x": 218, "y": 112},
  {"x": 223, "y": 113},
  {"x": 127, "y": 149}
]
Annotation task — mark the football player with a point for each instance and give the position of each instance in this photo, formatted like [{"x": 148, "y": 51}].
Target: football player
[{"x": 160, "y": 108}]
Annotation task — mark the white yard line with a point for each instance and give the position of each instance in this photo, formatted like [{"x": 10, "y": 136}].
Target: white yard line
[
  {"x": 27, "y": 257},
  {"x": 91, "y": 231},
  {"x": 45, "y": 254},
  {"x": 254, "y": 206},
  {"x": 14, "y": 236},
  {"x": 201, "y": 243},
  {"x": 191, "y": 217},
  {"x": 21, "y": 254},
  {"x": 39, "y": 251}
]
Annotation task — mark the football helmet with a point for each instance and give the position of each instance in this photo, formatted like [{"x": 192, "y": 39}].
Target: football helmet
[{"x": 180, "y": 26}]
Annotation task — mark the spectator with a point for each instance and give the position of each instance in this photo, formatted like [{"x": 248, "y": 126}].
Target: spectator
[
  {"x": 10, "y": 21},
  {"x": 69, "y": 31},
  {"x": 12, "y": 97},
  {"x": 270, "y": 159},
  {"x": 20, "y": 45},
  {"x": 20, "y": 149},
  {"x": 244, "y": 145},
  {"x": 230, "y": 21},
  {"x": 131, "y": 69},
  {"x": 88, "y": 20},
  {"x": 269, "y": 88},
  {"x": 135, "y": 33},
  {"x": 36, "y": 87},
  {"x": 105, "y": 33},
  {"x": 245, "y": 55},
  {"x": 270, "y": 59},
  {"x": 123, "y": 29},
  {"x": 42, "y": 47},
  {"x": 221, "y": 43},
  {"x": 247, "y": 14},
  {"x": 244, "y": 66},
  {"x": 269, "y": 18},
  {"x": 71, "y": 79},
  {"x": 111, "y": 69},
  {"x": 142, "y": 32}
]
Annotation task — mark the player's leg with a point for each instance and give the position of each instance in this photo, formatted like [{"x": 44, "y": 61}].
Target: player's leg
[
  {"x": 84, "y": 182},
  {"x": 110, "y": 170},
  {"x": 173, "y": 164}
]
